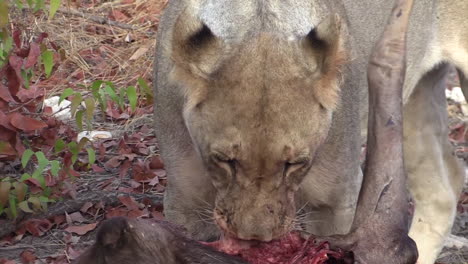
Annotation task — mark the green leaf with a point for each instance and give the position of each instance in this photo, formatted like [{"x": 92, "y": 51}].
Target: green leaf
[
  {"x": 47, "y": 192},
  {"x": 54, "y": 6},
  {"x": 79, "y": 120},
  {"x": 25, "y": 177},
  {"x": 27, "y": 154},
  {"x": 144, "y": 86},
  {"x": 26, "y": 77},
  {"x": 96, "y": 86},
  {"x": 41, "y": 160},
  {"x": 4, "y": 192},
  {"x": 54, "y": 167},
  {"x": 67, "y": 92},
  {"x": 35, "y": 202},
  {"x": 121, "y": 102},
  {"x": 75, "y": 103},
  {"x": 30, "y": 3},
  {"x": 39, "y": 5},
  {"x": 73, "y": 147},
  {"x": 82, "y": 143},
  {"x": 6, "y": 179},
  {"x": 132, "y": 97},
  {"x": 3, "y": 13},
  {"x": 37, "y": 174},
  {"x": 19, "y": 4},
  {"x": 91, "y": 156},
  {"x": 43, "y": 199},
  {"x": 44, "y": 207},
  {"x": 59, "y": 145},
  {"x": 24, "y": 206},
  {"x": 90, "y": 106},
  {"x": 7, "y": 44},
  {"x": 111, "y": 92},
  {"x": 101, "y": 99},
  {"x": 4, "y": 146},
  {"x": 48, "y": 60},
  {"x": 145, "y": 89},
  {"x": 13, "y": 209},
  {"x": 20, "y": 190}
]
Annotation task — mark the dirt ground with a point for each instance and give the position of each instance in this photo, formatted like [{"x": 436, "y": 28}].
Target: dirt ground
[{"x": 114, "y": 41}]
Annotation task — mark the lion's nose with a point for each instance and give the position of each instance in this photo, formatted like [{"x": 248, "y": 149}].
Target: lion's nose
[{"x": 259, "y": 225}]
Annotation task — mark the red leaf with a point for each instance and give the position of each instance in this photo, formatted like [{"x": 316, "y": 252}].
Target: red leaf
[
  {"x": 48, "y": 111},
  {"x": 13, "y": 81},
  {"x": 32, "y": 93},
  {"x": 102, "y": 151},
  {"x": 129, "y": 202},
  {"x": 154, "y": 181},
  {"x": 6, "y": 149},
  {"x": 50, "y": 180},
  {"x": 134, "y": 184},
  {"x": 77, "y": 217},
  {"x": 136, "y": 214},
  {"x": 97, "y": 169},
  {"x": 17, "y": 38},
  {"x": 5, "y": 122},
  {"x": 124, "y": 168},
  {"x": 16, "y": 63},
  {"x": 5, "y": 93},
  {"x": 73, "y": 254},
  {"x": 26, "y": 123},
  {"x": 34, "y": 53},
  {"x": 116, "y": 212},
  {"x": 37, "y": 227},
  {"x": 19, "y": 147},
  {"x": 160, "y": 173},
  {"x": 157, "y": 215},
  {"x": 58, "y": 219},
  {"x": 3, "y": 105},
  {"x": 41, "y": 37},
  {"x": 6, "y": 261},
  {"x": 124, "y": 148},
  {"x": 156, "y": 163},
  {"x": 81, "y": 230},
  {"x": 142, "y": 173},
  {"x": 86, "y": 207},
  {"x": 117, "y": 15},
  {"x": 27, "y": 257},
  {"x": 114, "y": 162},
  {"x": 33, "y": 182}
]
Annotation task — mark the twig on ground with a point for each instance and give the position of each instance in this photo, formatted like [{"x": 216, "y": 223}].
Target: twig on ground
[{"x": 97, "y": 19}]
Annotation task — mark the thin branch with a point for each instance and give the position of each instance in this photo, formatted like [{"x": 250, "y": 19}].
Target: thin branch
[{"x": 97, "y": 19}]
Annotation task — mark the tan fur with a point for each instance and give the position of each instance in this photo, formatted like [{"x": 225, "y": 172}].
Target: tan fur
[{"x": 257, "y": 116}]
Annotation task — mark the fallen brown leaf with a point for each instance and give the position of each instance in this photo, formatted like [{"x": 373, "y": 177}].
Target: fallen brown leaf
[
  {"x": 26, "y": 123},
  {"x": 27, "y": 257},
  {"x": 81, "y": 230}
]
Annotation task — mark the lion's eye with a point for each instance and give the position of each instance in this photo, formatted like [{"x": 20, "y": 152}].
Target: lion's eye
[
  {"x": 225, "y": 162},
  {"x": 292, "y": 166}
]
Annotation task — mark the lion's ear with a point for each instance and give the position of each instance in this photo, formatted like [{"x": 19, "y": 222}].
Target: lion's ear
[
  {"x": 326, "y": 43},
  {"x": 194, "y": 46}
]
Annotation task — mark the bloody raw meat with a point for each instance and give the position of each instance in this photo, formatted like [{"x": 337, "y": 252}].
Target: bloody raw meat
[{"x": 291, "y": 249}]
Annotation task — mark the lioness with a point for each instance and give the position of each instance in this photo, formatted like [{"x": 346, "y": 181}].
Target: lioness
[{"x": 258, "y": 111}]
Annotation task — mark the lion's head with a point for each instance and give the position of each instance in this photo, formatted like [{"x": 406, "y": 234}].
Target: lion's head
[{"x": 257, "y": 109}]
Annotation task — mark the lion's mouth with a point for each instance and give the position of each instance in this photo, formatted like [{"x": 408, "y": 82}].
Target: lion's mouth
[
  {"x": 289, "y": 249},
  {"x": 232, "y": 245}
]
